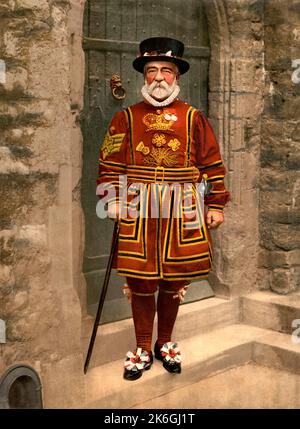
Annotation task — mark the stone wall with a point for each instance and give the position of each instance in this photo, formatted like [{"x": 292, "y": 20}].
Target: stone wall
[
  {"x": 254, "y": 105},
  {"x": 40, "y": 152},
  {"x": 236, "y": 103},
  {"x": 279, "y": 259}
]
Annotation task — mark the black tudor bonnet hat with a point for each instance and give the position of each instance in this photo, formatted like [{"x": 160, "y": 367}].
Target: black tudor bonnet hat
[{"x": 161, "y": 49}]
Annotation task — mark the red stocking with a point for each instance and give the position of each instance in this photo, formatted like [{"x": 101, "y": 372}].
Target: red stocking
[
  {"x": 167, "y": 309},
  {"x": 143, "y": 312}
]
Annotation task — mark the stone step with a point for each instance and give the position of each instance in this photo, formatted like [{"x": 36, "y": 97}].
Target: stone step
[
  {"x": 268, "y": 310},
  {"x": 115, "y": 339},
  {"x": 249, "y": 386},
  {"x": 203, "y": 355},
  {"x": 277, "y": 350}
]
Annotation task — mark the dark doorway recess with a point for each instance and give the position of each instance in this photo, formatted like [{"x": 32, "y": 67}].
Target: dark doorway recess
[{"x": 20, "y": 388}]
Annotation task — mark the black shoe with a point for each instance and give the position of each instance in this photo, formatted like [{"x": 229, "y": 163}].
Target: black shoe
[
  {"x": 169, "y": 356},
  {"x": 136, "y": 363}
]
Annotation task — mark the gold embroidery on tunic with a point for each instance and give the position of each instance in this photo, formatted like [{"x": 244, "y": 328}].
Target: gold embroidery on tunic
[
  {"x": 142, "y": 148},
  {"x": 159, "y": 140},
  {"x": 160, "y": 156},
  {"x": 157, "y": 122},
  {"x": 174, "y": 144},
  {"x": 111, "y": 144}
]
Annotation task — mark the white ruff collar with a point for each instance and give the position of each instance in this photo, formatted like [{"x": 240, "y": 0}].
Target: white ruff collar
[{"x": 162, "y": 103}]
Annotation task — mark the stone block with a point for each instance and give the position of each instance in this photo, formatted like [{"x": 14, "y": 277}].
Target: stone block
[
  {"x": 282, "y": 107},
  {"x": 8, "y": 121},
  {"x": 280, "y": 83},
  {"x": 269, "y": 310},
  {"x": 246, "y": 75},
  {"x": 279, "y": 259},
  {"x": 284, "y": 281},
  {"x": 11, "y": 44},
  {"x": 32, "y": 4},
  {"x": 250, "y": 165},
  {"x": 277, "y": 38},
  {"x": 295, "y": 132},
  {"x": 278, "y": 128},
  {"x": 285, "y": 237},
  {"x": 281, "y": 154},
  {"x": 281, "y": 214},
  {"x": 247, "y": 47},
  {"x": 216, "y": 101},
  {"x": 263, "y": 276},
  {"x": 273, "y": 202},
  {"x": 4, "y": 8},
  {"x": 237, "y": 134},
  {"x": 276, "y": 12},
  {"x": 279, "y": 184},
  {"x": 16, "y": 77},
  {"x": 245, "y": 105},
  {"x": 245, "y": 10},
  {"x": 218, "y": 71}
]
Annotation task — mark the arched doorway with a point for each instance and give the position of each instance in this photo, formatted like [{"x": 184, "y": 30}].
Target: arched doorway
[{"x": 112, "y": 32}]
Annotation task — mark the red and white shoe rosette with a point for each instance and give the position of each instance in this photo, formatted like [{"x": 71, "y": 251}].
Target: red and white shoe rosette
[
  {"x": 137, "y": 360},
  {"x": 171, "y": 353}
]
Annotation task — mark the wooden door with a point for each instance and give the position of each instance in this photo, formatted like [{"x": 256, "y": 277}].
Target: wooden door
[{"x": 113, "y": 30}]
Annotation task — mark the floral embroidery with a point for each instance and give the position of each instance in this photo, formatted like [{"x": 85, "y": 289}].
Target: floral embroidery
[
  {"x": 159, "y": 140},
  {"x": 174, "y": 144}
]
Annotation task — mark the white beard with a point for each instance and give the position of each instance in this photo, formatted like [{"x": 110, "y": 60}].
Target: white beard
[
  {"x": 160, "y": 90},
  {"x": 160, "y": 94}
]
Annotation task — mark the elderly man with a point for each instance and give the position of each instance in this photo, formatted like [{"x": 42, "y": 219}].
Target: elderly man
[{"x": 164, "y": 241}]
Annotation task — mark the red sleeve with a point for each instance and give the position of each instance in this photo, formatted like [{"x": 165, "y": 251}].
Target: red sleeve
[
  {"x": 112, "y": 159},
  {"x": 209, "y": 162}
]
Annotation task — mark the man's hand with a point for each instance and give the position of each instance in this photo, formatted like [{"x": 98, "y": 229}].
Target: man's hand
[{"x": 214, "y": 219}]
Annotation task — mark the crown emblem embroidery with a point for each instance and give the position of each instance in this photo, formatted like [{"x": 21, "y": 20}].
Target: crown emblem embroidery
[{"x": 155, "y": 122}]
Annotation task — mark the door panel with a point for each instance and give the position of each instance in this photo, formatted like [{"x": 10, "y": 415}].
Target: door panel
[{"x": 113, "y": 30}]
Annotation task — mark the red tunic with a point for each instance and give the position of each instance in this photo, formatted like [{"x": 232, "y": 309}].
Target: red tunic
[{"x": 157, "y": 147}]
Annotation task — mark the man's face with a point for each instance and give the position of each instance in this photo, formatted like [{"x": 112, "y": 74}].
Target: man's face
[{"x": 161, "y": 78}]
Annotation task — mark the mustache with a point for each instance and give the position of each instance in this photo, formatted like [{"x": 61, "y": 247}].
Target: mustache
[{"x": 156, "y": 84}]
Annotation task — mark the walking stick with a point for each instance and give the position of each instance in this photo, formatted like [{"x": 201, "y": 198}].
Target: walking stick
[{"x": 103, "y": 294}]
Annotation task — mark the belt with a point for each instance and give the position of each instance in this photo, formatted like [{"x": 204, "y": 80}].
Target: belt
[{"x": 162, "y": 175}]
